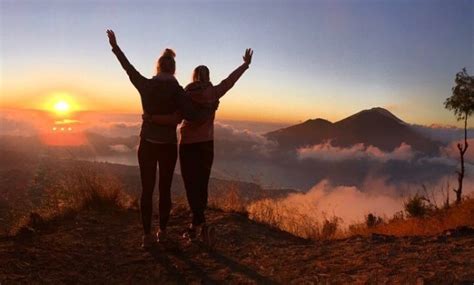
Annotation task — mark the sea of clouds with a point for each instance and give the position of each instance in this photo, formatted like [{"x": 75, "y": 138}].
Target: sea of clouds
[{"x": 348, "y": 182}]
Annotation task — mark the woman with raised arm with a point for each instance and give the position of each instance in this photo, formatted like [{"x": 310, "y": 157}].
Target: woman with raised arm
[
  {"x": 161, "y": 94},
  {"x": 196, "y": 146}
]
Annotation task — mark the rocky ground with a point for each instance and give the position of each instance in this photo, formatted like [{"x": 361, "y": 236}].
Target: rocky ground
[{"x": 99, "y": 247}]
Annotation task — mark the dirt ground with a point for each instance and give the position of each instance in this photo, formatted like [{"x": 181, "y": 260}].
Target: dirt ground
[{"x": 98, "y": 247}]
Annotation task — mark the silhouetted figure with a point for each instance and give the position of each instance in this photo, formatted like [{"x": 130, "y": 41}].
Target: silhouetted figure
[
  {"x": 196, "y": 148},
  {"x": 161, "y": 94}
]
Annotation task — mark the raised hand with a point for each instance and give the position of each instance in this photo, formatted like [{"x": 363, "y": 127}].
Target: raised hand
[
  {"x": 112, "y": 39},
  {"x": 248, "y": 56}
]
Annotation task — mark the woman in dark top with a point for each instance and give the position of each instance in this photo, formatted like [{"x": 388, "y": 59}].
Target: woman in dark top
[{"x": 160, "y": 95}]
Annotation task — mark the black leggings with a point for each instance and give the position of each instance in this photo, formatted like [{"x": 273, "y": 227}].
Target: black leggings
[
  {"x": 196, "y": 163},
  {"x": 149, "y": 154}
]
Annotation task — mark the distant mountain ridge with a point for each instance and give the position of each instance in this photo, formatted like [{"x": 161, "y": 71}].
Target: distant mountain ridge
[{"x": 376, "y": 127}]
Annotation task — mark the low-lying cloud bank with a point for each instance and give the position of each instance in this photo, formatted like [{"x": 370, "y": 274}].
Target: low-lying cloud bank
[
  {"x": 244, "y": 154},
  {"x": 115, "y": 129},
  {"x": 352, "y": 204},
  {"x": 349, "y": 202},
  {"x": 121, "y": 148},
  {"x": 452, "y": 151},
  {"x": 243, "y": 141},
  {"x": 228, "y": 132},
  {"x": 326, "y": 151},
  {"x": 449, "y": 155},
  {"x": 443, "y": 133},
  {"x": 20, "y": 123}
]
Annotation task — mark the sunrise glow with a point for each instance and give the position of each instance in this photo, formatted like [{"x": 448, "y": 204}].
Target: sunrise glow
[
  {"x": 61, "y": 104},
  {"x": 62, "y": 107}
]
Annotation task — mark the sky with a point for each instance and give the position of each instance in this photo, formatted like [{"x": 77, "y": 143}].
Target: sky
[{"x": 313, "y": 59}]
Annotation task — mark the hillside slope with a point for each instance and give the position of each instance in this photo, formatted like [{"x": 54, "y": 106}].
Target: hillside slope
[{"x": 103, "y": 247}]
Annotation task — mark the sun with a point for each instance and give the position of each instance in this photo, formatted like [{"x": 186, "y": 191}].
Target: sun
[
  {"x": 62, "y": 107},
  {"x": 60, "y": 103}
]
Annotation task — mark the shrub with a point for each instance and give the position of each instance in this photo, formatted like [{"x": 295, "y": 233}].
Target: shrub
[
  {"x": 330, "y": 227},
  {"x": 417, "y": 206},
  {"x": 372, "y": 220},
  {"x": 434, "y": 222}
]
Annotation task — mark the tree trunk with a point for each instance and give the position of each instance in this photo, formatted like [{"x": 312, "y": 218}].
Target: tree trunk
[{"x": 462, "y": 151}]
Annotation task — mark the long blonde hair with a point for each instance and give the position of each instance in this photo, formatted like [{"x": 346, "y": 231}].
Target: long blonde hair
[{"x": 166, "y": 62}]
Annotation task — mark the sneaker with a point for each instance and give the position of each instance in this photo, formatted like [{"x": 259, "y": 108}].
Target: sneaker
[
  {"x": 190, "y": 234},
  {"x": 148, "y": 241},
  {"x": 161, "y": 236},
  {"x": 208, "y": 235}
]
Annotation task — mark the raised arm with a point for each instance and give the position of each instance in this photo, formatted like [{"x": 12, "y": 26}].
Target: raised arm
[
  {"x": 137, "y": 79},
  {"x": 228, "y": 83}
]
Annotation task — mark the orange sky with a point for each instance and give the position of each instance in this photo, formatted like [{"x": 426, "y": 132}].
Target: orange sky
[{"x": 241, "y": 103}]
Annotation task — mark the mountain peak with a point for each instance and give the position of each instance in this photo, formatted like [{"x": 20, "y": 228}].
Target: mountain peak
[
  {"x": 377, "y": 111},
  {"x": 385, "y": 112},
  {"x": 317, "y": 121}
]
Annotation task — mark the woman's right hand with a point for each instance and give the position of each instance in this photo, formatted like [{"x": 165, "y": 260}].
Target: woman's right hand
[
  {"x": 248, "y": 56},
  {"x": 112, "y": 38}
]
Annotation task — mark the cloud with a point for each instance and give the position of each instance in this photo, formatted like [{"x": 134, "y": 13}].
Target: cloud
[
  {"x": 352, "y": 204},
  {"x": 443, "y": 133},
  {"x": 12, "y": 127},
  {"x": 349, "y": 202},
  {"x": 228, "y": 132},
  {"x": 34, "y": 122},
  {"x": 243, "y": 139},
  {"x": 326, "y": 151},
  {"x": 452, "y": 152},
  {"x": 439, "y": 160},
  {"x": 21, "y": 122},
  {"x": 325, "y": 200},
  {"x": 116, "y": 129},
  {"x": 121, "y": 148}
]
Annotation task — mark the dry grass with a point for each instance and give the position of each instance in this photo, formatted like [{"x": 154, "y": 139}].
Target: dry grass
[
  {"x": 306, "y": 221},
  {"x": 79, "y": 185},
  {"x": 76, "y": 187},
  {"x": 434, "y": 223},
  {"x": 277, "y": 213},
  {"x": 298, "y": 220},
  {"x": 230, "y": 201}
]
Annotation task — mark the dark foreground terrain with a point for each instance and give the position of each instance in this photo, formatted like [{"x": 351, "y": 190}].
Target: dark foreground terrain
[{"x": 100, "y": 247}]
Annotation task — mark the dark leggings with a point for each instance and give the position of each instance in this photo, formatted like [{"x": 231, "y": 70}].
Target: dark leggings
[
  {"x": 149, "y": 155},
  {"x": 196, "y": 163}
]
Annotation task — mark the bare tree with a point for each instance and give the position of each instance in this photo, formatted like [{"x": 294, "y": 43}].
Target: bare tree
[{"x": 462, "y": 103}]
